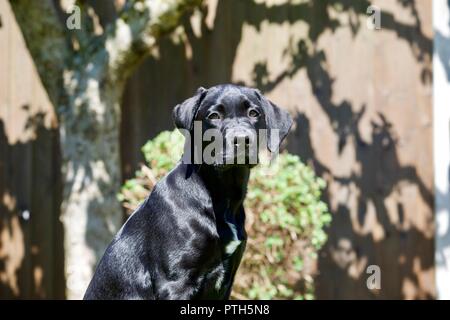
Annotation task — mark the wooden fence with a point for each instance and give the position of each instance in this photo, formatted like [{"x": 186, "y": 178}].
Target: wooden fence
[
  {"x": 30, "y": 233},
  {"x": 361, "y": 100}
]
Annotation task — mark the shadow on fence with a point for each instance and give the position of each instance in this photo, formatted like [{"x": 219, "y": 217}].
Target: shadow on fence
[{"x": 31, "y": 236}]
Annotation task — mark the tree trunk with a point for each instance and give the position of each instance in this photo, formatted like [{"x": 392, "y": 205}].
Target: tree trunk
[{"x": 91, "y": 213}]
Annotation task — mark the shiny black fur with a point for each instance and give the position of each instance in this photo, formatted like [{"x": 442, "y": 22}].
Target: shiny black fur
[{"x": 187, "y": 239}]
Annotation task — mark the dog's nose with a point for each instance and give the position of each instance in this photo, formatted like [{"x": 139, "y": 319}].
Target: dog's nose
[{"x": 241, "y": 139}]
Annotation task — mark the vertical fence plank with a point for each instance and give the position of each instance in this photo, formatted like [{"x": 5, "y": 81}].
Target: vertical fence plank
[{"x": 31, "y": 264}]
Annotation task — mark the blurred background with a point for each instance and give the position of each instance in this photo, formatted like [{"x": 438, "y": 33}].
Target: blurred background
[{"x": 362, "y": 102}]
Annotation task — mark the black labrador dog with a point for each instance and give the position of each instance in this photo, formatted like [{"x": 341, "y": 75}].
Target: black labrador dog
[{"x": 187, "y": 239}]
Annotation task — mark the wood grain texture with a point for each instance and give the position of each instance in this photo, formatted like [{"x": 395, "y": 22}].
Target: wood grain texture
[{"x": 31, "y": 264}]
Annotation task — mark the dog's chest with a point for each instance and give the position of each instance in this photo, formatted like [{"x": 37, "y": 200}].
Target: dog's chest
[
  {"x": 220, "y": 278},
  {"x": 231, "y": 245},
  {"x": 229, "y": 249},
  {"x": 232, "y": 254}
]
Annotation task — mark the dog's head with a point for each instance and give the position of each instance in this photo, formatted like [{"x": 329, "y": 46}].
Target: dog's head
[{"x": 239, "y": 120}]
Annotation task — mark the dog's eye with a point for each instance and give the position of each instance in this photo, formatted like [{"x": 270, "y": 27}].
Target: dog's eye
[
  {"x": 253, "y": 113},
  {"x": 214, "y": 116}
]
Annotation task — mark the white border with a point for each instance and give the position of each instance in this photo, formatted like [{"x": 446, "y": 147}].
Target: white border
[{"x": 441, "y": 145}]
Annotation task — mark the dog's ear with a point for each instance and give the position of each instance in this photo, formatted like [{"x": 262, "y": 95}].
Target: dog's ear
[
  {"x": 184, "y": 114},
  {"x": 277, "y": 121}
]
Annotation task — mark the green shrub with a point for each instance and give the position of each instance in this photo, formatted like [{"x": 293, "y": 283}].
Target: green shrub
[{"x": 285, "y": 220}]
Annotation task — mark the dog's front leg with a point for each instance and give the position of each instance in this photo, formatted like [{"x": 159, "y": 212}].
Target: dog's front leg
[{"x": 178, "y": 290}]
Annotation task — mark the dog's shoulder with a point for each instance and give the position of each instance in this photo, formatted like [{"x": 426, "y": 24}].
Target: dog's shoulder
[
  {"x": 175, "y": 199},
  {"x": 181, "y": 187}
]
